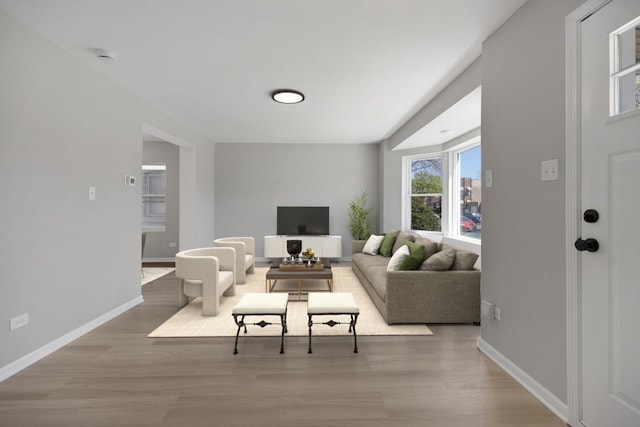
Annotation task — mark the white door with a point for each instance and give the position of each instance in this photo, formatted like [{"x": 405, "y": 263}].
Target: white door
[{"x": 610, "y": 185}]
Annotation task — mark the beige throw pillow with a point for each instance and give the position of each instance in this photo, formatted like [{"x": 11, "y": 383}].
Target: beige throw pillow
[
  {"x": 372, "y": 245},
  {"x": 441, "y": 261},
  {"x": 398, "y": 258}
]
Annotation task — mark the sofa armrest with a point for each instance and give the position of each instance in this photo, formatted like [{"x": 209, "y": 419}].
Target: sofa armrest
[{"x": 357, "y": 246}]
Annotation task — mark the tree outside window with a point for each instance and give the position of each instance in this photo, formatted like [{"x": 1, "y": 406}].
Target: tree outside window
[{"x": 426, "y": 194}]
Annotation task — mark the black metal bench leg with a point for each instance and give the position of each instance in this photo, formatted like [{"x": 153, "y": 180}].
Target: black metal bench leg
[
  {"x": 283, "y": 321},
  {"x": 240, "y": 323},
  {"x": 354, "y": 319},
  {"x": 310, "y": 323}
]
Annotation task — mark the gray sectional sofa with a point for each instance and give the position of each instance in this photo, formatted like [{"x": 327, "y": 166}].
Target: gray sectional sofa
[{"x": 422, "y": 295}]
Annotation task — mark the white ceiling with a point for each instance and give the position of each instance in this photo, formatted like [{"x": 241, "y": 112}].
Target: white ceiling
[{"x": 365, "y": 66}]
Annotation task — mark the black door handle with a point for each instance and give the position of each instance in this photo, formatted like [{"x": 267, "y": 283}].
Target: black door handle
[
  {"x": 590, "y": 245},
  {"x": 590, "y": 215}
]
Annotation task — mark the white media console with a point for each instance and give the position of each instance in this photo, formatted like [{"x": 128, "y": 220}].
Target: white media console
[{"x": 323, "y": 246}]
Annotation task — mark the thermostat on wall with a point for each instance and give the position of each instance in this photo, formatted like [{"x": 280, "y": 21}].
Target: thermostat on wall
[{"x": 129, "y": 180}]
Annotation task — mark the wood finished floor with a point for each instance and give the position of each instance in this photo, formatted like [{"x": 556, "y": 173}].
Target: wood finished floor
[{"x": 116, "y": 376}]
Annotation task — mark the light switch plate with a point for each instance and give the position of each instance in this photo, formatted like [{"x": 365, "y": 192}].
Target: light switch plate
[
  {"x": 488, "y": 178},
  {"x": 549, "y": 170}
]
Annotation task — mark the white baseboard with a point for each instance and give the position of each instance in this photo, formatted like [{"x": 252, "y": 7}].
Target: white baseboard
[
  {"x": 548, "y": 399},
  {"x": 25, "y": 361},
  {"x": 170, "y": 259}
]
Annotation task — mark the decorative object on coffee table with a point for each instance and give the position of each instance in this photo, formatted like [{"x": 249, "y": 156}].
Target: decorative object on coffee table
[
  {"x": 294, "y": 247},
  {"x": 298, "y": 272}
]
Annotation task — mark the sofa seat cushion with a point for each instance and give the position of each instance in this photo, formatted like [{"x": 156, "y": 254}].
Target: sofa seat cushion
[
  {"x": 365, "y": 261},
  {"x": 374, "y": 269},
  {"x": 377, "y": 276},
  {"x": 226, "y": 280}
]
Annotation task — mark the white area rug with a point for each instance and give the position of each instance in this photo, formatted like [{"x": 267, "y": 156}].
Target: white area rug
[
  {"x": 149, "y": 274},
  {"x": 189, "y": 322}
]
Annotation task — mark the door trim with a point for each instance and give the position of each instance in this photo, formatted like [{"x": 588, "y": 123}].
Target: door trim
[{"x": 573, "y": 142}]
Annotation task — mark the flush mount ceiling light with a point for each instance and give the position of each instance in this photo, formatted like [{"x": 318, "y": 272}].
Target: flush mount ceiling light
[
  {"x": 287, "y": 96},
  {"x": 105, "y": 55}
]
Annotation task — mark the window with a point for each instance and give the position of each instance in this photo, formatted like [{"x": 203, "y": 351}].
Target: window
[
  {"x": 625, "y": 68},
  {"x": 154, "y": 206},
  {"x": 425, "y": 193},
  {"x": 470, "y": 199},
  {"x": 443, "y": 192}
]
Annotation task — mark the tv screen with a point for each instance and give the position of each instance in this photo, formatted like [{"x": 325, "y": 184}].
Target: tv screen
[{"x": 303, "y": 220}]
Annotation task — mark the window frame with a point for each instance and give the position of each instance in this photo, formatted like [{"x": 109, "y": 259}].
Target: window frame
[
  {"x": 616, "y": 72},
  {"x": 455, "y": 187},
  {"x": 408, "y": 195}
]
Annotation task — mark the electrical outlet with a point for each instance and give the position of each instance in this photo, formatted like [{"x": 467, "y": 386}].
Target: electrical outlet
[
  {"x": 487, "y": 309},
  {"x": 172, "y": 244},
  {"x": 19, "y": 321}
]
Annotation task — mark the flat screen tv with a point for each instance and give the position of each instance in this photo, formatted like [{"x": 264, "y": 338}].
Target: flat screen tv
[{"x": 303, "y": 220}]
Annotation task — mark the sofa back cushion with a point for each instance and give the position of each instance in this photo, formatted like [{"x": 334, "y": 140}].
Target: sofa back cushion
[
  {"x": 430, "y": 247},
  {"x": 402, "y": 237},
  {"x": 464, "y": 260}
]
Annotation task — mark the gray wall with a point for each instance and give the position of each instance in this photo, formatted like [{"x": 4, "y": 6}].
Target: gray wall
[
  {"x": 391, "y": 157},
  {"x": 253, "y": 179},
  {"x": 523, "y": 229},
  {"x": 157, "y": 243},
  {"x": 65, "y": 260}
]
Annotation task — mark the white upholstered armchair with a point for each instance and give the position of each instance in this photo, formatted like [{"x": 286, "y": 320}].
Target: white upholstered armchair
[
  {"x": 207, "y": 273},
  {"x": 245, "y": 254}
]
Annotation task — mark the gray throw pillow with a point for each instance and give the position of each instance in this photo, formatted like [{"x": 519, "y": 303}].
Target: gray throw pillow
[
  {"x": 465, "y": 260},
  {"x": 441, "y": 261}
]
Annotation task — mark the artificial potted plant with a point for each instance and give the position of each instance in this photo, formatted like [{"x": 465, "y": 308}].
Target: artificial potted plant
[{"x": 359, "y": 221}]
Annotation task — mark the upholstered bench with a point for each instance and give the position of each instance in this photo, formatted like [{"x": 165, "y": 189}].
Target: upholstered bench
[
  {"x": 255, "y": 304},
  {"x": 337, "y": 303}
]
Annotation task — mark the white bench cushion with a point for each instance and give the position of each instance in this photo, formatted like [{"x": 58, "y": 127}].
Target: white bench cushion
[
  {"x": 332, "y": 303},
  {"x": 256, "y": 303}
]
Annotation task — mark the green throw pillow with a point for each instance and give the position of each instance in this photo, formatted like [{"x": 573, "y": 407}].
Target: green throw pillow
[
  {"x": 415, "y": 258},
  {"x": 387, "y": 244}
]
